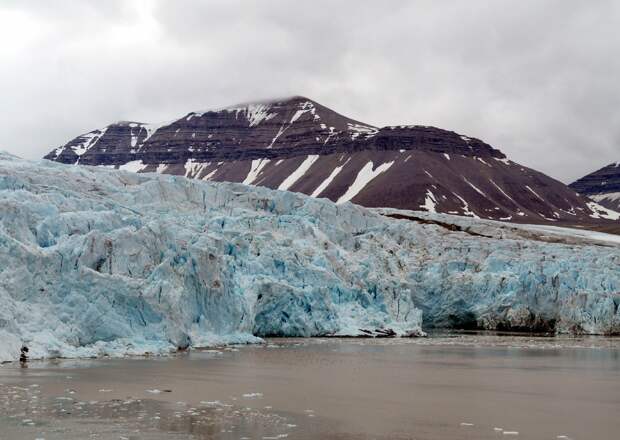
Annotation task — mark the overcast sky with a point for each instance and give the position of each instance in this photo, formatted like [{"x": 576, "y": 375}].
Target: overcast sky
[{"x": 539, "y": 80}]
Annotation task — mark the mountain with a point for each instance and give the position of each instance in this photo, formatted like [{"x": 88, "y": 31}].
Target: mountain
[
  {"x": 299, "y": 145},
  {"x": 602, "y": 186},
  {"x": 96, "y": 261}
]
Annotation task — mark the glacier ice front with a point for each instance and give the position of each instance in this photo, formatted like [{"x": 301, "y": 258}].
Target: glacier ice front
[{"x": 96, "y": 261}]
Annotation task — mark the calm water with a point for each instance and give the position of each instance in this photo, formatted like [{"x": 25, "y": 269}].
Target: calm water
[{"x": 444, "y": 387}]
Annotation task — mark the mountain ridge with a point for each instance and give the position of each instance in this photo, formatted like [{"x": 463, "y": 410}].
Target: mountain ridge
[{"x": 300, "y": 145}]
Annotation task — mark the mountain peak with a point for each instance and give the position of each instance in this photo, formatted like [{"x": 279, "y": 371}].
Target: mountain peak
[{"x": 266, "y": 102}]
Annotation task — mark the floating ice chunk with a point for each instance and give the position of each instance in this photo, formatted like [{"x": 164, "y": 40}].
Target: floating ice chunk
[{"x": 211, "y": 402}]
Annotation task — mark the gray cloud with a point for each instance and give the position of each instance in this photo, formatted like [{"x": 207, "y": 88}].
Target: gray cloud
[{"x": 537, "y": 79}]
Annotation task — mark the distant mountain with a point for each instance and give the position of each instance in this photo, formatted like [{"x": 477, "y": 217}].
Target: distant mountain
[
  {"x": 603, "y": 186},
  {"x": 299, "y": 145}
]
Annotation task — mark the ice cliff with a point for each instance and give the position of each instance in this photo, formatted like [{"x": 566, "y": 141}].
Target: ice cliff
[{"x": 96, "y": 261}]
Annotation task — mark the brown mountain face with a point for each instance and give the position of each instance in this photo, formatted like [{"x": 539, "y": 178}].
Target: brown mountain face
[
  {"x": 602, "y": 186},
  {"x": 299, "y": 145}
]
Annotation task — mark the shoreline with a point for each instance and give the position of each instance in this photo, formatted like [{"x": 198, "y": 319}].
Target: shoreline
[{"x": 435, "y": 337}]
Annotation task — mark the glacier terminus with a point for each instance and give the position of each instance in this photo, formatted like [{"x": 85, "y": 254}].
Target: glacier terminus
[{"x": 95, "y": 261}]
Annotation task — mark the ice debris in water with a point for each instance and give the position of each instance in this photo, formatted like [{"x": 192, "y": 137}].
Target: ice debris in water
[{"x": 101, "y": 262}]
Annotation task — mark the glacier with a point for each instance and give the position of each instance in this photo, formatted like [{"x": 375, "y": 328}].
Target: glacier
[{"x": 96, "y": 262}]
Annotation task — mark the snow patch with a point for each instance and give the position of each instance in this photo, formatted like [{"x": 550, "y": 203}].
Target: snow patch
[
  {"x": 502, "y": 191},
  {"x": 474, "y": 187},
  {"x": 358, "y": 130},
  {"x": 87, "y": 141},
  {"x": 151, "y": 129},
  {"x": 430, "y": 203},
  {"x": 534, "y": 192},
  {"x": 328, "y": 180},
  {"x": 255, "y": 169},
  {"x": 257, "y": 113},
  {"x": 466, "y": 210},
  {"x": 612, "y": 197},
  {"x": 504, "y": 161},
  {"x": 363, "y": 178},
  {"x": 210, "y": 175},
  {"x": 280, "y": 132},
  {"x": 135, "y": 166},
  {"x": 601, "y": 212},
  {"x": 299, "y": 172},
  {"x": 193, "y": 167},
  {"x": 304, "y": 107}
]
